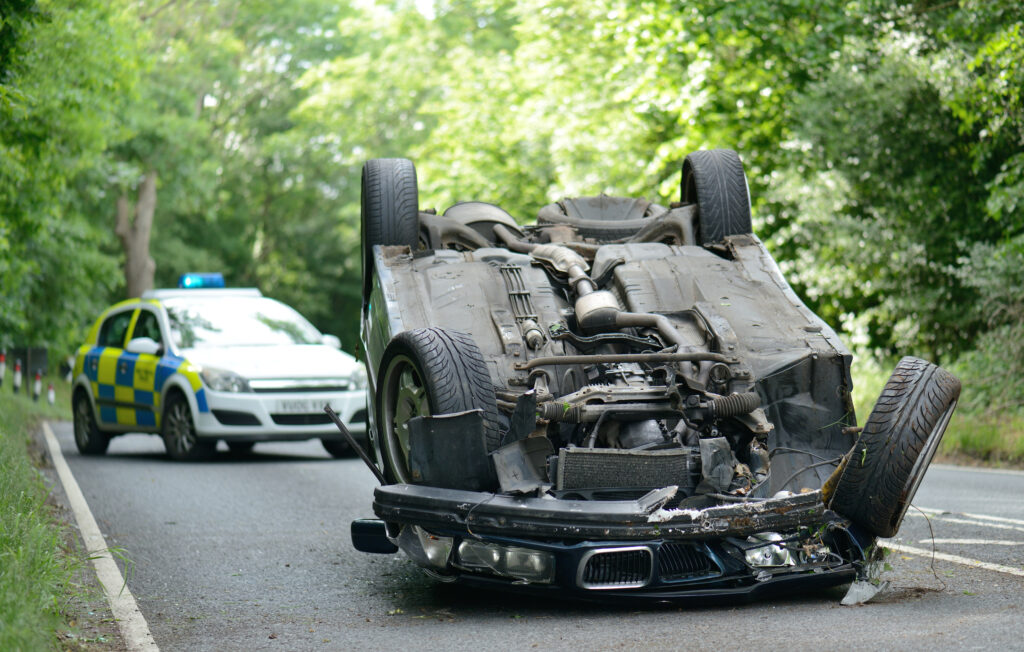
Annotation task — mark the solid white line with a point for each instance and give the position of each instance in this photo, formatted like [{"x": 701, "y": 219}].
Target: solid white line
[
  {"x": 975, "y": 469},
  {"x": 132, "y": 623},
  {"x": 975, "y": 542},
  {"x": 956, "y": 559},
  {"x": 983, "y": 517}
]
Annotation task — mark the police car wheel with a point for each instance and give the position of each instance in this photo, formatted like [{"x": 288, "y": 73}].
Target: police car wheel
[
  {"x": 337, "y": 448},
  {"x": 241, "y": 447},
  {"x": 179, "y": 432},
  {"x": 88, "y": 437}
]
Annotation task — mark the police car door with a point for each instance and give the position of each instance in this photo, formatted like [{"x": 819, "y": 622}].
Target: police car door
[
  {"x": 139, "y": 366},
  {"x": 109, "y": 391}
]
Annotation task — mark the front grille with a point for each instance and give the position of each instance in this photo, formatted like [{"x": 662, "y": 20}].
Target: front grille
[
  {"x": 682, "y": 561},
  {"x": 616, "y": 568},
  {"x": 300, "y": 419},
  {"x": 358, "y": 417},
  {"x": 235, "y": 418}
]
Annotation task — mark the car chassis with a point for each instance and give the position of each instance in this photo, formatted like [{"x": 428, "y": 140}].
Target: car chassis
[{"x": 621, "y": 400}]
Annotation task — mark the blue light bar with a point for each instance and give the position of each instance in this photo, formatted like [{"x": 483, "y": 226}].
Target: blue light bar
[{"x": 201, "y": 280}]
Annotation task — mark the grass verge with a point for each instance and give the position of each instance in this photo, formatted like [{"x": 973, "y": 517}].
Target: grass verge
[
  {"x": 973, "y": 437},
  {"x": 36, "y": 568}
]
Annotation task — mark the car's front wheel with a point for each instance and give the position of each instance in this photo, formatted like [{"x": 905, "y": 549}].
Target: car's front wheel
[
  {"x": 426, "y": 372},
  {"x": 88, "y": 436},
  {"x": 878, "y": 478},
  {"x": 179, "y": 432}
]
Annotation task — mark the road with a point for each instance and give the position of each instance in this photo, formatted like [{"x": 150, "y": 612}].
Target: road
[{"x": 253, "y": 553}]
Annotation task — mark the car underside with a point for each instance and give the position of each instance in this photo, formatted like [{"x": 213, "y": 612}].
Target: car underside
[{"x": 621, "y": 399}]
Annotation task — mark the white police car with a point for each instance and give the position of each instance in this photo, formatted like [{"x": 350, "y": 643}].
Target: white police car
[{"x": 204, "y": 363}]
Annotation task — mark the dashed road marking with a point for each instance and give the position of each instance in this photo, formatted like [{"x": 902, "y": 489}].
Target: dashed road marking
[
  {"x": 130, "y": 620},
  {"x": 974, "y": 521},
  {"x": 955, "y": 559},
  {"x": 980, "y": 517},
  {"x": 974, "y": 542}
]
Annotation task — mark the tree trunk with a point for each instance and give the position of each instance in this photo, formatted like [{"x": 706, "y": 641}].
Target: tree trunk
[{"x": 134, "y": 226}]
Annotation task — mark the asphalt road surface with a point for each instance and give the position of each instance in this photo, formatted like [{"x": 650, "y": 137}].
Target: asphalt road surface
[{"x": 253, "y": 553}]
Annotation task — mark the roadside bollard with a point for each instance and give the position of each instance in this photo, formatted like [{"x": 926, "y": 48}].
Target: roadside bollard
[
  {"x": 51, "y": 396},
  {"x": 3, "y": 368},
  {"x": 17, "y": 376},
  {"x": 37, "y": 387}
]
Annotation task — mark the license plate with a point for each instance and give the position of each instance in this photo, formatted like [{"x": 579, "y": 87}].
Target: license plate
[{"x": 300, "y": 406}]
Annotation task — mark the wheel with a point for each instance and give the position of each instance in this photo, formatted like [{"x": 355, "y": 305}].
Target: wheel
[
  {"x": 337, "y": 448},
  {"x": 389, "y": 209},
  {"x": 241, "y": 447},
  {"x": 179, "y": 432},
  {"x": 880, "y": 475},
  {"x": 714, "y": 180},
  {"x": 88, "y": 436},
  {"x": 424, "y": 372},
  {"x": 602, "y": 217}
]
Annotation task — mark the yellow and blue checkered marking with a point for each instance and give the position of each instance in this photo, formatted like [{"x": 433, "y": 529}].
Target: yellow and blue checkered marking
[{"x": 128, "y": 388}]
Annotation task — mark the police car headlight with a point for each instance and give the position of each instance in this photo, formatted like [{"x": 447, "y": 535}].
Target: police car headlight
[
  {"x": 222, "y": 380},
  {"x": 359, "y": 379}
]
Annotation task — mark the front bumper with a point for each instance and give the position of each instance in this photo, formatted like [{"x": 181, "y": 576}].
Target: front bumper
[
  {"x": 617, "y": 549},
  {"x": 284, "y": 416}
]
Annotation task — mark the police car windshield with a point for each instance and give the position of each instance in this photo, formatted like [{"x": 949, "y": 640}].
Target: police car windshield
[{"x": 212, "y": 321}]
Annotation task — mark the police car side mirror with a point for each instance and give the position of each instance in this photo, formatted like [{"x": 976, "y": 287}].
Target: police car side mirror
[
  {"x": 331, "y": 340},
  {"x": 143, "y": 345}
]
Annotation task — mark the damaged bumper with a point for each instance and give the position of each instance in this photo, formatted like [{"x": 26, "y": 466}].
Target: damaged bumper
[{"x": 639, "y": 547}]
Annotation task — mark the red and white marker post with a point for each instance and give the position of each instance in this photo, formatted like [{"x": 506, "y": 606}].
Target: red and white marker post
[
  {"x": 17, "y": 376},
  {"x": 51, "y": 395},
  {"x": 37, "y": 387},
  {"x": 3, "y": 368}
]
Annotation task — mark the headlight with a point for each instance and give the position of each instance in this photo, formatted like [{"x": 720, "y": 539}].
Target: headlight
[
  {"x": 359, "y": 378},
  {"x": 222, "y": 380},
  {"x": 523, "y": 564}
]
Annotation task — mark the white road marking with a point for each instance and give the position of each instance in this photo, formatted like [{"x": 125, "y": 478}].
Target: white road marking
[
  {"x": 975, "y": 469},
  {"x": 974, "y": 542},
  {"x": 956, "y": 559},
  {"x": 980, "y": 517},
  {"x": 132, "y": 623},
  {"x": 976, "y": 523}
]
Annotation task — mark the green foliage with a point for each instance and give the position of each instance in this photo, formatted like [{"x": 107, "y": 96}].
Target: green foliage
[
  {"x": 58, "y": 100},
  {"x": 35, "y": 573}
]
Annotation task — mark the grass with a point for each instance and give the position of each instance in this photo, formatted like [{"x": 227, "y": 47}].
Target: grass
[
  {"x": 973, "y": 436},
  {"x": 36, "y": 569}
]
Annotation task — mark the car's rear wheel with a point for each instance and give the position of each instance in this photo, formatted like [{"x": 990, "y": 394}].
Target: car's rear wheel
[
  {"x": 714, "y": 180},
  {"x": 179, "y": 432},
  {"x": 336, "y": 448},
  {"x": 877, "y": 480},
  {"x": 89, "y": 439},
  {"x": 389, "y": 209},
  {"x": 430, "y": 371}
]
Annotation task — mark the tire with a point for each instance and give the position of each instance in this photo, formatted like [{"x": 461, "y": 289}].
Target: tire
[
  {"x": 389, "y": 210},
  {"x": 880, "y": 475},
  {"x": 714, "y": 180},
  {"x": 241, "y": 447},
  {"x": 337, "y": 449},
  {"x": 424, "y": 372},
  {"x": 179, "y": 432},
  {"x": 88, "y": 436}
]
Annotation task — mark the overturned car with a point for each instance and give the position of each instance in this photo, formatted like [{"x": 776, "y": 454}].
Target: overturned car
[{"x": 620, "y": 399}]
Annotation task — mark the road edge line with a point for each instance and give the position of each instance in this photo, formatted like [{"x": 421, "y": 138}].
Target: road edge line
[
  {"x": 131, "y": 622},
  {"x": 956, "y": 559}
]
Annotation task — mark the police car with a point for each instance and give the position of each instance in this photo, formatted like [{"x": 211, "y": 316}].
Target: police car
[{"x": 204, "y": 363}]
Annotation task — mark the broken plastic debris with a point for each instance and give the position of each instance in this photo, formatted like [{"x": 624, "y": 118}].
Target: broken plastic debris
[{"x": 862, "y": 592}]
